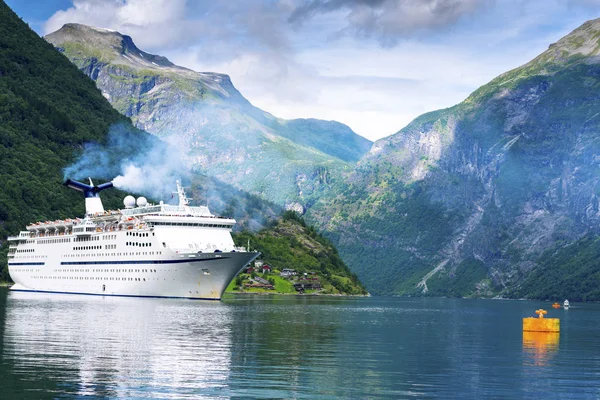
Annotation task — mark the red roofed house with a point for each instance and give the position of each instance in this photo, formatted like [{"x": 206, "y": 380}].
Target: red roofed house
[{"x": 266, "y": 269}]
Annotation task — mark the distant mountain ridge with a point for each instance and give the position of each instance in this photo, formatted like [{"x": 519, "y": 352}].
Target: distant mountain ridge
[
  {"x": 473, "y": 200},
  {"x": 203, "y": 113}
]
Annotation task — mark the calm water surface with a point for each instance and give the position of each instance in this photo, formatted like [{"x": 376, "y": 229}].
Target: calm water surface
[{"x": 70, "y": 346}]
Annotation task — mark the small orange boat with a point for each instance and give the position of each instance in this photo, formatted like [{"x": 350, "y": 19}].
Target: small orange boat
[{"x": 555, "y": 305}]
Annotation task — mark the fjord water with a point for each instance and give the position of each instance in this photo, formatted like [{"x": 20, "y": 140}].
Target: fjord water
[{"x": 71, "y": 346}]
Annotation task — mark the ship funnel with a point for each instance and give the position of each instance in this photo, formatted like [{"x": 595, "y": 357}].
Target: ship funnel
[{"x": 93, "y": 204}]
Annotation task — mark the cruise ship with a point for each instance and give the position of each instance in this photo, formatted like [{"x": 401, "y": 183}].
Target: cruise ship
[{"x": 143, "y": 250}]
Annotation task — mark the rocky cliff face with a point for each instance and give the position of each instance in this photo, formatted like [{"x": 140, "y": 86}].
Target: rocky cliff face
[
  {"x": 464, "y": 201},
  {"x": 202, "y": 113}
]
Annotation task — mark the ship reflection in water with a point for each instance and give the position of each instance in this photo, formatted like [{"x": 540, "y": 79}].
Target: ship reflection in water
[
  {"x": 539, "y": 347},
  {"x": 118, "y": 347}
]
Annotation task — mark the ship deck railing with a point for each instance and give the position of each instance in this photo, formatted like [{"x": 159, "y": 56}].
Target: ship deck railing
[
  {"x": 52, "y": 233},
  {"x": 171, "y": 211},
  {"x": 109, "y": 215}
]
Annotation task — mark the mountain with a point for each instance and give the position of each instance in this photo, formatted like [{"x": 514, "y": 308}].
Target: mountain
[
  {"x": 50, "y": 111},
  {"x": 205, "y": 115},
  {"x": 475, "y": 200}
]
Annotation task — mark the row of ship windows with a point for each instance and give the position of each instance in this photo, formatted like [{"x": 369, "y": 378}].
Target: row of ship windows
[
  {"x": 138, "y": 244},
  {"x": 84, "y": 229},
  {"x": 15, "y": 269},
  {"x": 29, "y": 257},
  {"x": 87, "y": 248},
  {"x": 204, "y": 270},
  {"x": 77, "y": 239},
  {"x": 139, "y": 234},
  {"x": 86, "y": 239},
  {"x": 90, "y": 278},
  {"x": 79, "y": 270},
  {"x": 107, "y": 247},
  {"x": 50, "y": 241},
  {"x": 145, "y": 253},
  {"x": 65, "y": 240},
  {"x": 103, "y": 270},
  {"x": 190, "y": 224}
]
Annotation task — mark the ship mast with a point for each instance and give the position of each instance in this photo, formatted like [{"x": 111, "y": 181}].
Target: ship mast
[{"x": 184, "y": 201}]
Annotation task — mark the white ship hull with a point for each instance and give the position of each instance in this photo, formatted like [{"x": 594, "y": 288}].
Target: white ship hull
[
  {"x": 193, "y": 276},
  {"x": 145, "y": 251}
]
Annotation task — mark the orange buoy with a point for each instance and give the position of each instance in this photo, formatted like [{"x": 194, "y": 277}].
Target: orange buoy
[
  {"x": 541, "y": 324},
  {"x": 555, "y": 305}
]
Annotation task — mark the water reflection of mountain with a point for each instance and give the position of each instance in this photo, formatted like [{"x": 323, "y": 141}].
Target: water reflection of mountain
[{"x": 116, "y": 347}]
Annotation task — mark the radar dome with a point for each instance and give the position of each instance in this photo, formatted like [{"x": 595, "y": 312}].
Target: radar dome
[
  {"x": 129, "y": 202},
  {"x": 142, "y": 202}
]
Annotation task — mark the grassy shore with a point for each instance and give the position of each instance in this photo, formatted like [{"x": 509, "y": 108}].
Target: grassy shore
[
  {"x": 282, "y": 286},
  {"x": 307, "y": 293}
]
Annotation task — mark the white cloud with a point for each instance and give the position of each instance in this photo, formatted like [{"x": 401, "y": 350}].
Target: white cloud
[
  {"x": 376, "y": 91},
  {"x": 152, "y": 23},
  {"x": 307, "y": 70},
  {"x": 151, "y": 12},
  {"x": 389, "y": 20}
]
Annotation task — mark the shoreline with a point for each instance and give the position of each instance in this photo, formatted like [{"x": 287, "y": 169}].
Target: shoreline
[
  {"x": 9, "y": 284},
  {"x": 298, "y": 294}
]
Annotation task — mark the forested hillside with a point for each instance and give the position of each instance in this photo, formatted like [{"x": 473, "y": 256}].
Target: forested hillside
[
  {"x": 290, "y": 243},
  {"x": 48, "y": 110},
  {"x": 572, "y": 272}
]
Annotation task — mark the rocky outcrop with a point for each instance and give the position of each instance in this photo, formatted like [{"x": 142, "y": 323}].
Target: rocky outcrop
[
  {"x": 202, "y": 113},
  {"x": 465, "y": 201}
]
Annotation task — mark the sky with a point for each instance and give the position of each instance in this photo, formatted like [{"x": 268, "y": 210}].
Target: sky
[{"x": 372, "y": 64}]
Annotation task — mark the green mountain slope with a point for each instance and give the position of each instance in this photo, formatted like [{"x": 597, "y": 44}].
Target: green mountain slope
[
  {"x": 48, "y": 110},
  {"x": 204, "y": 115},
  {"x": 465, "y": 201},
  {"x": 571, "y": 272},
  {"x": 290, "y": 243}
]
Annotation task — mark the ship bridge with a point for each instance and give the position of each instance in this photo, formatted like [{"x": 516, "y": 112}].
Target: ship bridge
[
  {"x": 165, "y": 209},
  {"x": 182, "y": 215}
]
